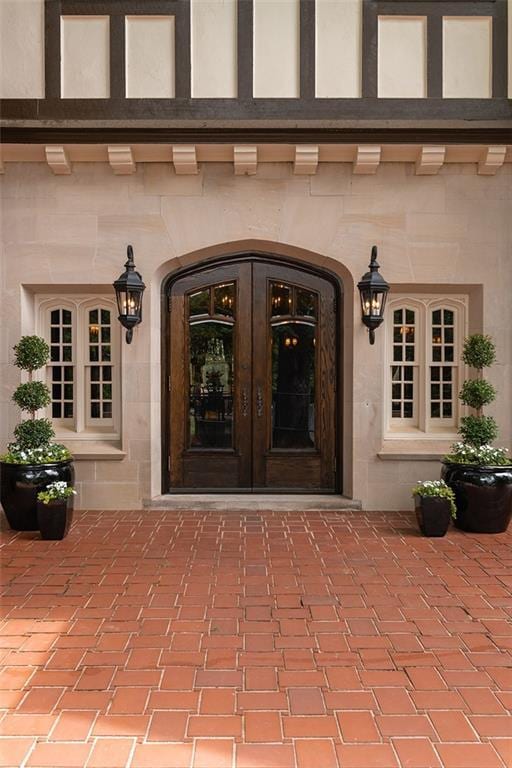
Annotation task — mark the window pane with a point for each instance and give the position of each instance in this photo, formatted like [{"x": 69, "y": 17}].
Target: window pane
[
  {"x": 105, "y": 334},
  {"x": 56, "y": 391},
  {"x": 447, "y": 391},
  {"x": 448, "y": 354},
  {"x": 68, "y": 391},
  {"x": 436, "y": 354},
  {"x": 55, "y": 335},
  {"x": 281, "y": 299},
  {"x": 398, "y": 317},
  {"x": 211, "y": 384},
  {"x": 435, "y": 410},
  {"x": 396, "y": 410},
  {"x": 55, "y": 317},
  {"x": 66, "y": 335},
  {"x": 306, "y": 303},
  {"x": 68, "y": 373},
  {"x": 448, "y": 317},
  {"x": 409, "y": 317},
  {"x": 95, "y": 373},
  {"x": 107, "y": 373},
  {"x": 54, "y": 354},
  {"x": 447, "y": 410},
  {"x": 293, "y": 385},
  {"x": 397, "y": 354},
  {"x": 199, "y": 303},
  {"x": 107, "y": 391},
  {"x": 66, "y": 317},
  {"x": 396, "y": 372},
  {"x": 435, "y": 373},
  {"x": 397, "y": 391},
  {"x": 436, "y": 316},
  {"x": 448, "y": 335},
  {"x": 67, "y": 354},
  {"x": 408, "y": 391},
  {"x": 95, "y": 410},
  {"x": 409, "y": 353},
  {"x": 105, "y": 353},
  {"x": 57, "y": 373},
  {"x": 94, "y": 354},
  {"x": 408, "y": 373},
  {"x": 447, "y": 374},
  {"x": 68, "y": 410},
  {"x": 397, "y": 334},
  {"x": 56, "y": 410},
  {"x": 107, "y": 410},
  {"x": 435, "y": 391},
  {"x": 95, "y": 391},
  {"x": 93, "y": 317},
  {"x": 407, "y": 410},
  {"x": 94, "y": 334},
  {"x": 105, "y": 317},
  {"x": 224, "y": 299}
]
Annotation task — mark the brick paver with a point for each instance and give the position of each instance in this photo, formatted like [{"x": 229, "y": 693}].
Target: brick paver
[{"x": 255, "y": 640}]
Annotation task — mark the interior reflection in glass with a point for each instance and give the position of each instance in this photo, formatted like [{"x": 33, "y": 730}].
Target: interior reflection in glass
[
  {"x": 211, "y": 384},
  {"x": 281, "y": 299},
  {"x": 224, "y": 299},
  {"x": 199, "y": 303},
  {"x": 293, "y": 385}
]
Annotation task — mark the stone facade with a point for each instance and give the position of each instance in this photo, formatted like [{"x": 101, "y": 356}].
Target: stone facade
[{"x": 70, "y": 232}]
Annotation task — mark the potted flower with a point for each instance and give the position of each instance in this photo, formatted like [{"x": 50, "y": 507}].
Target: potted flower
[
  {"x": 33, "y": 460},
  {"x": 55, "y": 509},
  {"x": 434, "y": 502},
  {"x": 479, "y": 474}
]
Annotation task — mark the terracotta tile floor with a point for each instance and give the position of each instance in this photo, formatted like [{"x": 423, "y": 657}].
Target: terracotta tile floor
[{"x": 256, "y": 640}]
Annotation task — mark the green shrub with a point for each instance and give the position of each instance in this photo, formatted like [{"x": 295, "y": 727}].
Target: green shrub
[
  {"x": 477, "y": 393},
  {"x": 479, "y": 351},
  {"x": 478, "y": 430},
  {"x": 57, "y": 491},
  {"x": 31, "y": 353},
  {"x": 32, "y": 396},
  {"x": 438, "y": 489},
  {"x": 34, "y": 433},
  {"x": 484, "y": 456}
]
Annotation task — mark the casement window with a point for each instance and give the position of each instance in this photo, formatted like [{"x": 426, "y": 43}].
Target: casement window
[
  {"x": 83, "y": 371},
  {"x": 423, "y": 371}
]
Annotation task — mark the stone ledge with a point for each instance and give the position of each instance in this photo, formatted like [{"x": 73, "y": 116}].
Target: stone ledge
[
  {"x": 95, "y": 452},
  {"x": 252, "y": 502}
]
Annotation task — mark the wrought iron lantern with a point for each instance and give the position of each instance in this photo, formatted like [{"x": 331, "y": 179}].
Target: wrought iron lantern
[
  {"x": 373, "y": 290},
  {"x": 129, "y": 289}
]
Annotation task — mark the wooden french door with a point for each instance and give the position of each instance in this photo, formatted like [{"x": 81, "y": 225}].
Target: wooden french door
[{"x": 252, "y": 380}]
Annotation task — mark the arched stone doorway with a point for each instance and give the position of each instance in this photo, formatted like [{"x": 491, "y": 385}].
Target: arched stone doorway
[{"x": 252, "y": 383}]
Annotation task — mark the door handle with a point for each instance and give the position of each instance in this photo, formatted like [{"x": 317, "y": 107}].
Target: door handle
[
  {"x": 245, "y": 402},
  {"x": 259, "y": 402}
]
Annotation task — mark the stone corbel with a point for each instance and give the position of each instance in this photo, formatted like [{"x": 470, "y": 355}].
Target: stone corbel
[
  {"x": 245, "y": 160},
  {"x": 121, "y": 160},
  {"x": 306, "y": 159},
  {"x": 430, "y": 161},
  {"x": 492, "y": 161},
  {"x": 367, "y": 159},
  {"x": 58, "y": 160},
  {"x": 185, "y": 160}
]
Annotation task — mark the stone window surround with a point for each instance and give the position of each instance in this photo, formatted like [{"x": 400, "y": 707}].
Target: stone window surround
[
  {"x": 85, "y": 442},
  {"x": 424, "y": 446}
]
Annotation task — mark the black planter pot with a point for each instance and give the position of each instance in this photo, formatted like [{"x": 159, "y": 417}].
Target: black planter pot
[
  {"x": 483, "y": 496},
  {"x": 54, "y": 518},
  {"x": 433, "y": 515},
  {"x": 20, "y": 484}
]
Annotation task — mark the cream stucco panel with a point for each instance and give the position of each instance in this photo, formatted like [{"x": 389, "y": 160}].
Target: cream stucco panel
[
  {"x": 21, "y": 49},
  {"x": 214, "y": 48},
  {"x": 467, "y": 57},
  {"x": 150, "y": 57},
  {"x": 338, "y": 48},
  {"x": 85, "y": 66},
  {"x": 276, "y": 48},
  {"x": 402, "y": 57}
]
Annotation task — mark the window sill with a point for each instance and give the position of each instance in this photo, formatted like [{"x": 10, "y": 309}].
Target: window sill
[
  {"x": 414, "y": 449},
  {"x": 85, "y": 450}
]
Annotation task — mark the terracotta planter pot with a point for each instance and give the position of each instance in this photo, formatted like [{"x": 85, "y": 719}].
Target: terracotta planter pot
[
  {"x": 20, "y": 484},
  {"x": 483, "y": 496},
  {"x": 54, "y": 519},
  {"x": 433, "y": 515}
]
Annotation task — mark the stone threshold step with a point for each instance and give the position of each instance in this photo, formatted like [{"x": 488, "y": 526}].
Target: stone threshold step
[{"x": 252, "y": 502}]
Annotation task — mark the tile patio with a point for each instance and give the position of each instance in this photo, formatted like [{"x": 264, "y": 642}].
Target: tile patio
[{"x": 255, "y": 640}]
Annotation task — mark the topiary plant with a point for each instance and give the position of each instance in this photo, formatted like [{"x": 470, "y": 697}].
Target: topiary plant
[
  {"x": 33, "y": 436},
  {"x": 477, "y": 430},
  {"x": 479, "y": 352}
]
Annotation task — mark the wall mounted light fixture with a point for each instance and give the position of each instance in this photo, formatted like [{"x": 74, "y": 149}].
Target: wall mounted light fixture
[
  {"x": 373, "y": 290},
  {"x": 129, "y": 289}
]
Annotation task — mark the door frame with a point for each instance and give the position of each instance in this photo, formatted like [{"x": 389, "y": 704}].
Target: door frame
[{"x": 165, "y": 346}]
